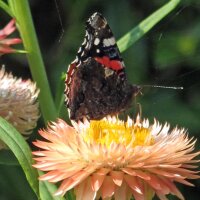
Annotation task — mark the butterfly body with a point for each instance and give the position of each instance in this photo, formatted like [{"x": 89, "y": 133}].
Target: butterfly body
[{"x": 96, "y": 83}]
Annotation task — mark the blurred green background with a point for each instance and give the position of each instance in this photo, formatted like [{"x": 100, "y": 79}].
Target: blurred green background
[{"x": 168, "y": 55}]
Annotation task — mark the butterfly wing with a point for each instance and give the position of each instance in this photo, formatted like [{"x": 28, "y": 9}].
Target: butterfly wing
[
  {"x": 95, "y": 92},
  {"x": 101, "y": 44},
  {"x": 96, "y": 84}
]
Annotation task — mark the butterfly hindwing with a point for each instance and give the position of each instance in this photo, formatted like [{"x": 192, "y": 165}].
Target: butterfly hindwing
[{"x": 96, "y": 92}]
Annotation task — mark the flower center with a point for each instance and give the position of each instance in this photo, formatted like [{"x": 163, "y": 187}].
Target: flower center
[{"x": 105, "y": 132}]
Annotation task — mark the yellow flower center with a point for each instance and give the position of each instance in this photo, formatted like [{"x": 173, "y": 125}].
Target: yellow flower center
[{"x": 105, "y": 132}]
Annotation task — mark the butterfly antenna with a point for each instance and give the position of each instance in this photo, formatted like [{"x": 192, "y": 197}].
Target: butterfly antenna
[{"x": 161, "y": 86}]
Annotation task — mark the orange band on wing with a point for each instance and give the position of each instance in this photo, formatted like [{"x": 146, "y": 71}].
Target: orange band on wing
[{"x": 112, "y": 64}]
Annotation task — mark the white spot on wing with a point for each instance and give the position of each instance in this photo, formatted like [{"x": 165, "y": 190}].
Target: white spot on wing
[
  {"x": 106, "y": 43},
  {"x": 69, "y": 80},
  {"x": 84, "y": 42},
  {"x": 82, "y": 54},
  {"x": 96, "y": 41},
  {"x": 79, "y": 50},
  {"x": 109, "y": 42},
  {"x": 75, "y": 60},
  {"x": 87, "y": 45}
]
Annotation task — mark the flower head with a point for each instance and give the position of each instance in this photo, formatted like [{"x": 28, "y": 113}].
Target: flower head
[
  {"x": 18, "y": 102},
  {"x": 113, "y": 158},
  {"x": 4, "y": 42}
]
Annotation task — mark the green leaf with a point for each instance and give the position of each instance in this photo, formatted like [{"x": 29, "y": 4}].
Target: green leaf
[
  {"x": 47, "y": 190},
  {"x": 14, "y": 140},
  {"x": 6, "y": 8},
  {"x": 70, "y": 195},
  {"x": 141, "y": 29}
]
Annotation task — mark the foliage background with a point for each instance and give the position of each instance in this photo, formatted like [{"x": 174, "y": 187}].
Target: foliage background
[{"x": 168, "y": 55}]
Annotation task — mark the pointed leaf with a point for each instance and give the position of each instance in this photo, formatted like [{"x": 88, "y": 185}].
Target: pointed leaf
[
  {"x": 6, "y": 8},
  {"x": 141, "y": 29},
  {"x": 47, "y": 190},
  {"x": 16, "y": 143}
]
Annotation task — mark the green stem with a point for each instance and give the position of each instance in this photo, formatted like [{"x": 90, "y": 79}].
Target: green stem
[
  {"x": 142, "y": 28},
  {"x": 6, "y": 8},
  {"x": 23, "y": 16}
]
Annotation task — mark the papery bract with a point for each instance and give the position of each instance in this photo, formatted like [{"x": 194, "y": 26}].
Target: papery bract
[
  {"x": 18, "y": 102},
  {"x": 113, "y": 158}
]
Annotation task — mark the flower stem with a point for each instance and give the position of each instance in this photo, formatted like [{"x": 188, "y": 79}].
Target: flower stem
[{"x": 23, "y": 16}]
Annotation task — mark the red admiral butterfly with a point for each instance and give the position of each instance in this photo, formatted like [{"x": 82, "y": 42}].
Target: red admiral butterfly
[{"x": 96, "y": 83}]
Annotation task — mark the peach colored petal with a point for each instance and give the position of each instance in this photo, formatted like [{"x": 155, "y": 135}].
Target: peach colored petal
[
  {"x": 136, "y": 165},
  {"x": 108, "y": 187},
  {"x": 87, "y": 170},
  {"x": 68, "y": 184},
  {"x": 154, "y": 182},
  {"x": 138, "y": 196},
  {"x": 138, "y": 173},
  {"x": 96, "y": 181},
  {"x": 183, "y": 181},
  {"x": 84, "y": 191},
  {"x": 163, "y": 172},
  {"x": 142, "y": 174},
  {"x": 168, "y": 166},
  {"x": 184, "y": 172},
  {"x": 123, "y": 192},
  {"x": 129, "y": 171},
  {"x": 103, "y": 171},
  {"x": 41, "y": 144},
  {"x": 133, "y": 184},
  {"x": 189, "y": 166},
  {"x": 37, "y": 153},
  {"x": 56, "y": 175},
  {"x": 164, "y": 187},
  {"x": 117, "y": 177},
  {"x": 172, "y": 187}
]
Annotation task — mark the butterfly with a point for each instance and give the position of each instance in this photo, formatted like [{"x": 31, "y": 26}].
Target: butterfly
[{"x": 96, "y": 83}]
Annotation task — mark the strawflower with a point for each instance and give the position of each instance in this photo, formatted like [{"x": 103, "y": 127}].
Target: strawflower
[
  {"x": 113, "y": 159},
  {"x": 5, "y": 42},
  {"x": 18, "y": 102}
]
